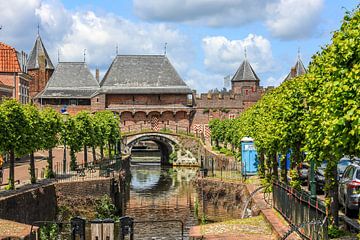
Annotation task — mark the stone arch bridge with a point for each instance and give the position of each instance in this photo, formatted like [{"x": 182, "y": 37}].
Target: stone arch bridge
[{"x": 167, "y": 143}]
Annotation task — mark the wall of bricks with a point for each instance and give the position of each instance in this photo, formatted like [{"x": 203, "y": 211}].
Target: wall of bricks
[
  {"x": 40, "y": 204},
  {"x": 113, "y": 100},
  {"x": 33, "y": 205}
]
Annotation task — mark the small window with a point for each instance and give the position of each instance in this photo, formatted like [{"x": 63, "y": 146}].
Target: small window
[
  {"x": 246, "y": 92},
  {"x": 97, "y": 99}
]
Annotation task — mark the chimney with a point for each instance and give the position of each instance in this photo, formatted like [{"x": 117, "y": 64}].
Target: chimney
[
  {"x": 97, "y": 74},
  {"x": 293, "y": 72}
]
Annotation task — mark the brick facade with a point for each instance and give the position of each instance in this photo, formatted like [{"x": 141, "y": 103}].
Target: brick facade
[{"x": 39, "y": 78}]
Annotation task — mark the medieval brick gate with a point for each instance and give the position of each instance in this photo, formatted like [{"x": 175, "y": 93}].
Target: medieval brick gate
[{"x": 167, "y": 143}]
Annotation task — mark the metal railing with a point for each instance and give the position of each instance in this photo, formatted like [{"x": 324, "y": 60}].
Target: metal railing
[
  {"x": 159, "y": 127},
  {"x": 297, "y": 207}
]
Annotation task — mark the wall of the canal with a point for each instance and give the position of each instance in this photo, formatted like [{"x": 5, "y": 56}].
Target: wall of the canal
[
  {"x": 41, "y": 203},
  {"x": 231, "y": 196}
]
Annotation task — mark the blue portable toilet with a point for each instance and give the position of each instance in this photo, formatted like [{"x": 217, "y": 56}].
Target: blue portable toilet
[{"x": 249, "y": 156}]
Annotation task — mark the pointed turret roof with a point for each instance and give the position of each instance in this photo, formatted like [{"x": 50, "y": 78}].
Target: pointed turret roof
[
  {"x": 38, "y": 51},
  {"x": 245, "y": 73},
  {"x": 297, "y": 70},
  {"x": 71, "y": 80}
]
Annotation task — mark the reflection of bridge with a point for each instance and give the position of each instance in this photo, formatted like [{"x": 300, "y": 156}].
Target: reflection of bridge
[{"x": 165, "y": 141}]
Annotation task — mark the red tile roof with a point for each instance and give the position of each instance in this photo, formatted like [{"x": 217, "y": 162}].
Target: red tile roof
[{"x": 8, "y": 59}]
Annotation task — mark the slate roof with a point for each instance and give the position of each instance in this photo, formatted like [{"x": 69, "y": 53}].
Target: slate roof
[
  {"x": 71, "y": 80},
  {"x": 245, "y": 73},
  {"x": 9, "y": 62},
  {"x": 299, "y": 70},
  {"x": 143, "y": 74},
  {"x": 38, "y": 51}
]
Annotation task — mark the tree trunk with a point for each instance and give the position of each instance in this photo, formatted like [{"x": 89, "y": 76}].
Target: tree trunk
[
  {"x": 109, "y": 147},
  {"x": 283, "y": 168},
  {"x": 12, "y": 170},
  {"x": 50, "y": 173},
  {"x": 85, "y": 156},
  {"x": 32, "y": 168},
  {"x": 335, "y": 198},
  {"x": 296, "y": 156},
  {"x": 275, "y": 173},
  {"x": 94, "y": 154},
  {"x": 73, "y": 163},
  {"x": 102, "y": 152},
  {"x": 262, "y": 165}
]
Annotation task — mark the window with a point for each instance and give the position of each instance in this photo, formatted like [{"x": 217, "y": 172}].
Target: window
[{"x": 246, "y": 92}]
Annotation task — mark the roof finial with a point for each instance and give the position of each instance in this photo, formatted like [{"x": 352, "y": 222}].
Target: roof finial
[
  {"x": 84, "y": 54},
  {"x": 165, "y": 46},
  {"x": 58, "y": 55},
  {"x": 245, "y": 53},
  {"x": 298, "y": 55},
  {"x": 117, "y": 49},
  {"x": 38, "y": 28}
]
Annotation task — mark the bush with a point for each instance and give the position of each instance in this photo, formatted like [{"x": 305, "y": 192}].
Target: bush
[
  {"x": 105, "y": 208},
  {"x": 49, "y": 232},
  {"x": 173, "y": 157}
]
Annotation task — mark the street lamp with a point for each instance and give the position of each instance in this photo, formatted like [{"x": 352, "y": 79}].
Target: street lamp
[{"x": 65, "y": 117}]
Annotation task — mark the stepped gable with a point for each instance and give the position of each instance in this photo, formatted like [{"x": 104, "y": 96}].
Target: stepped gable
[
  {"x": 9, "y": 62},
  {"x": 36, "y": 53},
  {"x": 297, "y": 70},
  {"x": 245, "y": 73},
  {"x": 143, "y": 74},
  {"x": 71, "y": 80}
]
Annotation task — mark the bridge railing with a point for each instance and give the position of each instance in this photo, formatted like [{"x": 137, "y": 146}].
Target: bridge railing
[{"x": 158, "y": 127}]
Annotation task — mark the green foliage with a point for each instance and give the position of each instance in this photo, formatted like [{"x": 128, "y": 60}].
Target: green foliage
[
  {"x": 317, "y": 113},
  {"x": 49, "y": 232},
  {"x": 335, "y": 232},
  {"x": 173, "y": 157},
  {"x": 295, "y": 179},
  {"x": 196, "y": 207},
  {"x": 105, "y": 208}
]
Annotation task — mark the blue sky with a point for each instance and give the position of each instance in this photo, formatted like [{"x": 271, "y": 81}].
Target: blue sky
[{"x": 205, "y": 38}]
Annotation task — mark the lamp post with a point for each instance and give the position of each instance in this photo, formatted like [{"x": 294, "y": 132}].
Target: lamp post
[{"x": 65, "y": 116}]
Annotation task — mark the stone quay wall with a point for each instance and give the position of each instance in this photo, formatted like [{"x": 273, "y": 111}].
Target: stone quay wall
[{"x": 42, "y": 202}]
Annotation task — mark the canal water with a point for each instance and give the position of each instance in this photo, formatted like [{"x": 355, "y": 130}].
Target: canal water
[{"x": 161, "y": 199}]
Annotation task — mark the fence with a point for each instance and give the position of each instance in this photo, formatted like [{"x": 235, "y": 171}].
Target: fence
[
  {"x": 161, "y": 127},
  {"x": 306, "y": 215}
]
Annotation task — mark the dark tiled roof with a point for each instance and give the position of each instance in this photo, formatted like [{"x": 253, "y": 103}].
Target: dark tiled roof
[
  {"x": 71, "y": 80},
  {"x": 37, "y": 53},
  {"x": 245, "y": 73},
  {"x": 8, "y": 59},
  {"x": 145, "y": 74},
  {"x": 297, "y": 70}
]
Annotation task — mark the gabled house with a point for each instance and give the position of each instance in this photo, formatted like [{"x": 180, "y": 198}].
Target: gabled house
[{"x": 13, "y": 72}]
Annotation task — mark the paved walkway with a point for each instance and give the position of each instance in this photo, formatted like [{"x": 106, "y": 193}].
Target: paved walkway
[
  {"x": 278, "y": 223},
  {"x": 22, "y": 166}
]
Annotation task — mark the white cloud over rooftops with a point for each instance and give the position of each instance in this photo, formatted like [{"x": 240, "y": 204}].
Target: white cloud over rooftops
[
  {"x": 224, "y": 56},
  {"x": 286, "y": 19}
]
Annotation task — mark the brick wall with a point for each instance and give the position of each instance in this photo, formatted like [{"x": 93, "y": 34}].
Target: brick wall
[
  {"x": 98, "y": 103},
  {"x": 41, "y": 203},
  {"x": 26, "y": 207},
  {"x": 113, "y": 100}
]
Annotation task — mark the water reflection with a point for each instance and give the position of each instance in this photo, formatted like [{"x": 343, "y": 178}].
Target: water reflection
[{"x": 159, "y": 193}]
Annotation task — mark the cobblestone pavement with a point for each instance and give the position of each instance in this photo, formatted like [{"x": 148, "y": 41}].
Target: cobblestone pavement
[{"x": 22, "y": 166}]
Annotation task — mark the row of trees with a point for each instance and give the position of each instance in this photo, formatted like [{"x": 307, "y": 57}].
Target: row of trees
[
  {"x": 25, "y": 129},
  {"x": 317, "y": 114}
]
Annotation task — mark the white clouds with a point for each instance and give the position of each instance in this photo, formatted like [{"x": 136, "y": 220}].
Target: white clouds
[
  {"x": 292, "y": 19},
  {"x": 17, "y": 19},
  {"x": 213, "y": 13},
  {"x": 286, "y": 19},
  {"x": 224, "y": 56}
]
